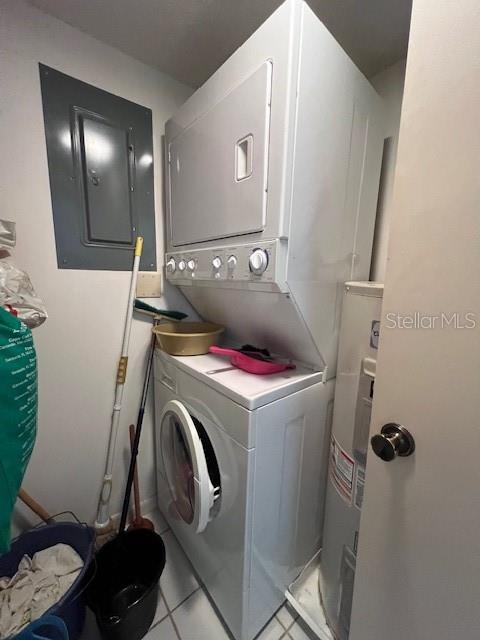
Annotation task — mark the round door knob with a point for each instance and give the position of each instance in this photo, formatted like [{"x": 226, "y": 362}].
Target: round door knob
[
  {"x": 258, "y": 261},
  {"x": 232, "y": 262},
  {"x": 171, "y": 266},
  {"x": 191, "y": 265},
  {"x": 182, "y": 265},
  {"x": 392, "y": 441},
  {"x": 217, "y": 263}
]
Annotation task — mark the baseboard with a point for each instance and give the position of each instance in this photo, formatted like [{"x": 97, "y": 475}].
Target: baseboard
[{"x": 147, "y": 506}]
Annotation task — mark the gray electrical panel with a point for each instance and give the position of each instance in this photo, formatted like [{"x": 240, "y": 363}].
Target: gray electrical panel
[{"x": 100, "y": 161}]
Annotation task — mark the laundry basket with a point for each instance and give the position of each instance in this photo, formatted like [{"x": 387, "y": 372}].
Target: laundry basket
[
  {"x": 45, "y": 628},
  {"x": 71, "y": 607}
]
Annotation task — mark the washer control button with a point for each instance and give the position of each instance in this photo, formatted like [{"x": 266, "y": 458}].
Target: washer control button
[
  {"x": 232, "y": 262},
  {"x": 171, "y": 265},
  {"x": 182, "y": 265},
  {"x": 217, "y": 263},
  {"x": 191, "y": 265},
  {"x": 258, "y": 261}
]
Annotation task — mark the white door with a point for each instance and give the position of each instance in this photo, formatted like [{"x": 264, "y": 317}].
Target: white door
[
  {"x": 188, "y": 460},
  {"x": 418, "y": 570}
]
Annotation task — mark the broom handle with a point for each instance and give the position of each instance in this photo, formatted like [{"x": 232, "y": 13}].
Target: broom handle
[
  {"x": 34, "y": 506},
  {"x": 136, "y": 492}
]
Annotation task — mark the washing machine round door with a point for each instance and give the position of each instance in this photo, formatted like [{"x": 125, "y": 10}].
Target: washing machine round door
[{"x": 184, "y": 458}]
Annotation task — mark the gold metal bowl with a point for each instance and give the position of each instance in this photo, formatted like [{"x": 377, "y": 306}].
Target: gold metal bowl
[{"x": 186, "y": 338}]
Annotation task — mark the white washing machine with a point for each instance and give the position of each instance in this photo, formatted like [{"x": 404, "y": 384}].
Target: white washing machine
[{"x": 241, "y": 463}]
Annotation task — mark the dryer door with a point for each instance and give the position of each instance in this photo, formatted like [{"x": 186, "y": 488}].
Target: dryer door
[
  {"x": 190, "y": 465},
  {"x": 218, "y": 166}
]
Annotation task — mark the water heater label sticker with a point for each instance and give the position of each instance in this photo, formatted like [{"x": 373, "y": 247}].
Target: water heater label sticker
[
  {"x": 342, "y": 471},
  {"x": 374, "y": 334},
  {"x": 359, "y": 486}
]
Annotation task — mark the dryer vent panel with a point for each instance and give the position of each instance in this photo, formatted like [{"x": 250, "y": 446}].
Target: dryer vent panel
[{"x": 100, "y": 160}]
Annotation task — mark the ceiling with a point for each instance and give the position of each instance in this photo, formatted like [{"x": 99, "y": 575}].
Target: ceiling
[{"x": 190, "y": 39}]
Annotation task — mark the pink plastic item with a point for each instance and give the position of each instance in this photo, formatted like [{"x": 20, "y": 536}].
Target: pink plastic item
[{"x": 255, "y": 365}]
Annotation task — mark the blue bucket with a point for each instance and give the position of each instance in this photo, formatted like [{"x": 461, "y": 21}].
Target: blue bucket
[{"x": 71, "y": 607}]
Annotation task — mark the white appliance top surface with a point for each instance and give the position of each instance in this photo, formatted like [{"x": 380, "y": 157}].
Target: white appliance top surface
[{"x": 248, "y": 390}]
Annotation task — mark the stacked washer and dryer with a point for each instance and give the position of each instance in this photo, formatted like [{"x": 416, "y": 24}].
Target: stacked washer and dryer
[{"x": 272, "y": 171}]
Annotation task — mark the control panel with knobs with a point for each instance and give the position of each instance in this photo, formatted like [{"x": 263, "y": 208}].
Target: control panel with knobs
[
  {"x": 258, "y": 261},
  {"x": 217, "y": 263},
  {"x": 254, "y": 265}
]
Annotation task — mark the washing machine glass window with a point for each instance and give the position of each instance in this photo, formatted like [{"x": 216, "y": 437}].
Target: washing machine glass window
[{"x": 190, "y": 465}]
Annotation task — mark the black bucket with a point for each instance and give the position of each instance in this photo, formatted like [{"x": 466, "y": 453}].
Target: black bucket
[{"x": 124, "y": 591}]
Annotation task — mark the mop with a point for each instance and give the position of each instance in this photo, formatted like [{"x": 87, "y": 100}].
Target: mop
[
  {"x": 104, "y": 527},
  {"x": 103, "y": 524}
]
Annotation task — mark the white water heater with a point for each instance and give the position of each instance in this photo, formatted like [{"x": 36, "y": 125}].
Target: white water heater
[{"x": 354, "y": 390}]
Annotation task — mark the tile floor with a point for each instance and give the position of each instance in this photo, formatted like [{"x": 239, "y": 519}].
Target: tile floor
[{"x": 184, "y": 611}]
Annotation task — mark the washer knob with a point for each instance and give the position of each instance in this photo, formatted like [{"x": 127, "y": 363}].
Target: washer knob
[
  {"x": 258, "y": 261},
  {"x": 182, "y": 265},
  {"x": 232, "y": 262},
  {"x": 216, "y": 263},
  {"x": 191, "y": 265},
  {"x": 171, "y": 265}
]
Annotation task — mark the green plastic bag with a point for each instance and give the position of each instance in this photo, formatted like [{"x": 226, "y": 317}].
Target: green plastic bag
[{"x": 18, "y": 413}]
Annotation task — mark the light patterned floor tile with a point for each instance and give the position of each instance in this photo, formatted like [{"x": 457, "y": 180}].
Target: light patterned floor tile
[
  {"x": 161, "y": 610},
  {"x": 273, "y": 631},
  {"x": 286, "y": 615},
  {"x": 193, "y": 614},
  {"x": 162, "y": 631},
  {"x": 177, "y": 581},
  {"x": 197, "y": 620},
  {"x": 301, "y": 631}
]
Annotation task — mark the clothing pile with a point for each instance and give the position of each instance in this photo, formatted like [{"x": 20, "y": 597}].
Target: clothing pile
[
  {"x": 17, "y": 294},
  {"x": 40, "y": 582}
]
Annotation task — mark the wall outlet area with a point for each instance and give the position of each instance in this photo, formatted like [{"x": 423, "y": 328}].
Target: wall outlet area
[{"x": 149, "y": 284}]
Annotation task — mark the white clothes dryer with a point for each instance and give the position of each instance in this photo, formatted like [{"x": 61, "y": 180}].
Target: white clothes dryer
[{"x": 241, "y": 462}]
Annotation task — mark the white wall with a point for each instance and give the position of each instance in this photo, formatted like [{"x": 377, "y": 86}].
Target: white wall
[
  {"x": 78, "y": 346},
  {"x": 389, "y": 84}
]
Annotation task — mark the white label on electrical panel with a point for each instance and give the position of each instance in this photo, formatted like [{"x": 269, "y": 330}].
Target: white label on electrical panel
[
  {"x": 359, "y": 487},
  {"x": 342, "y": 471}
]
